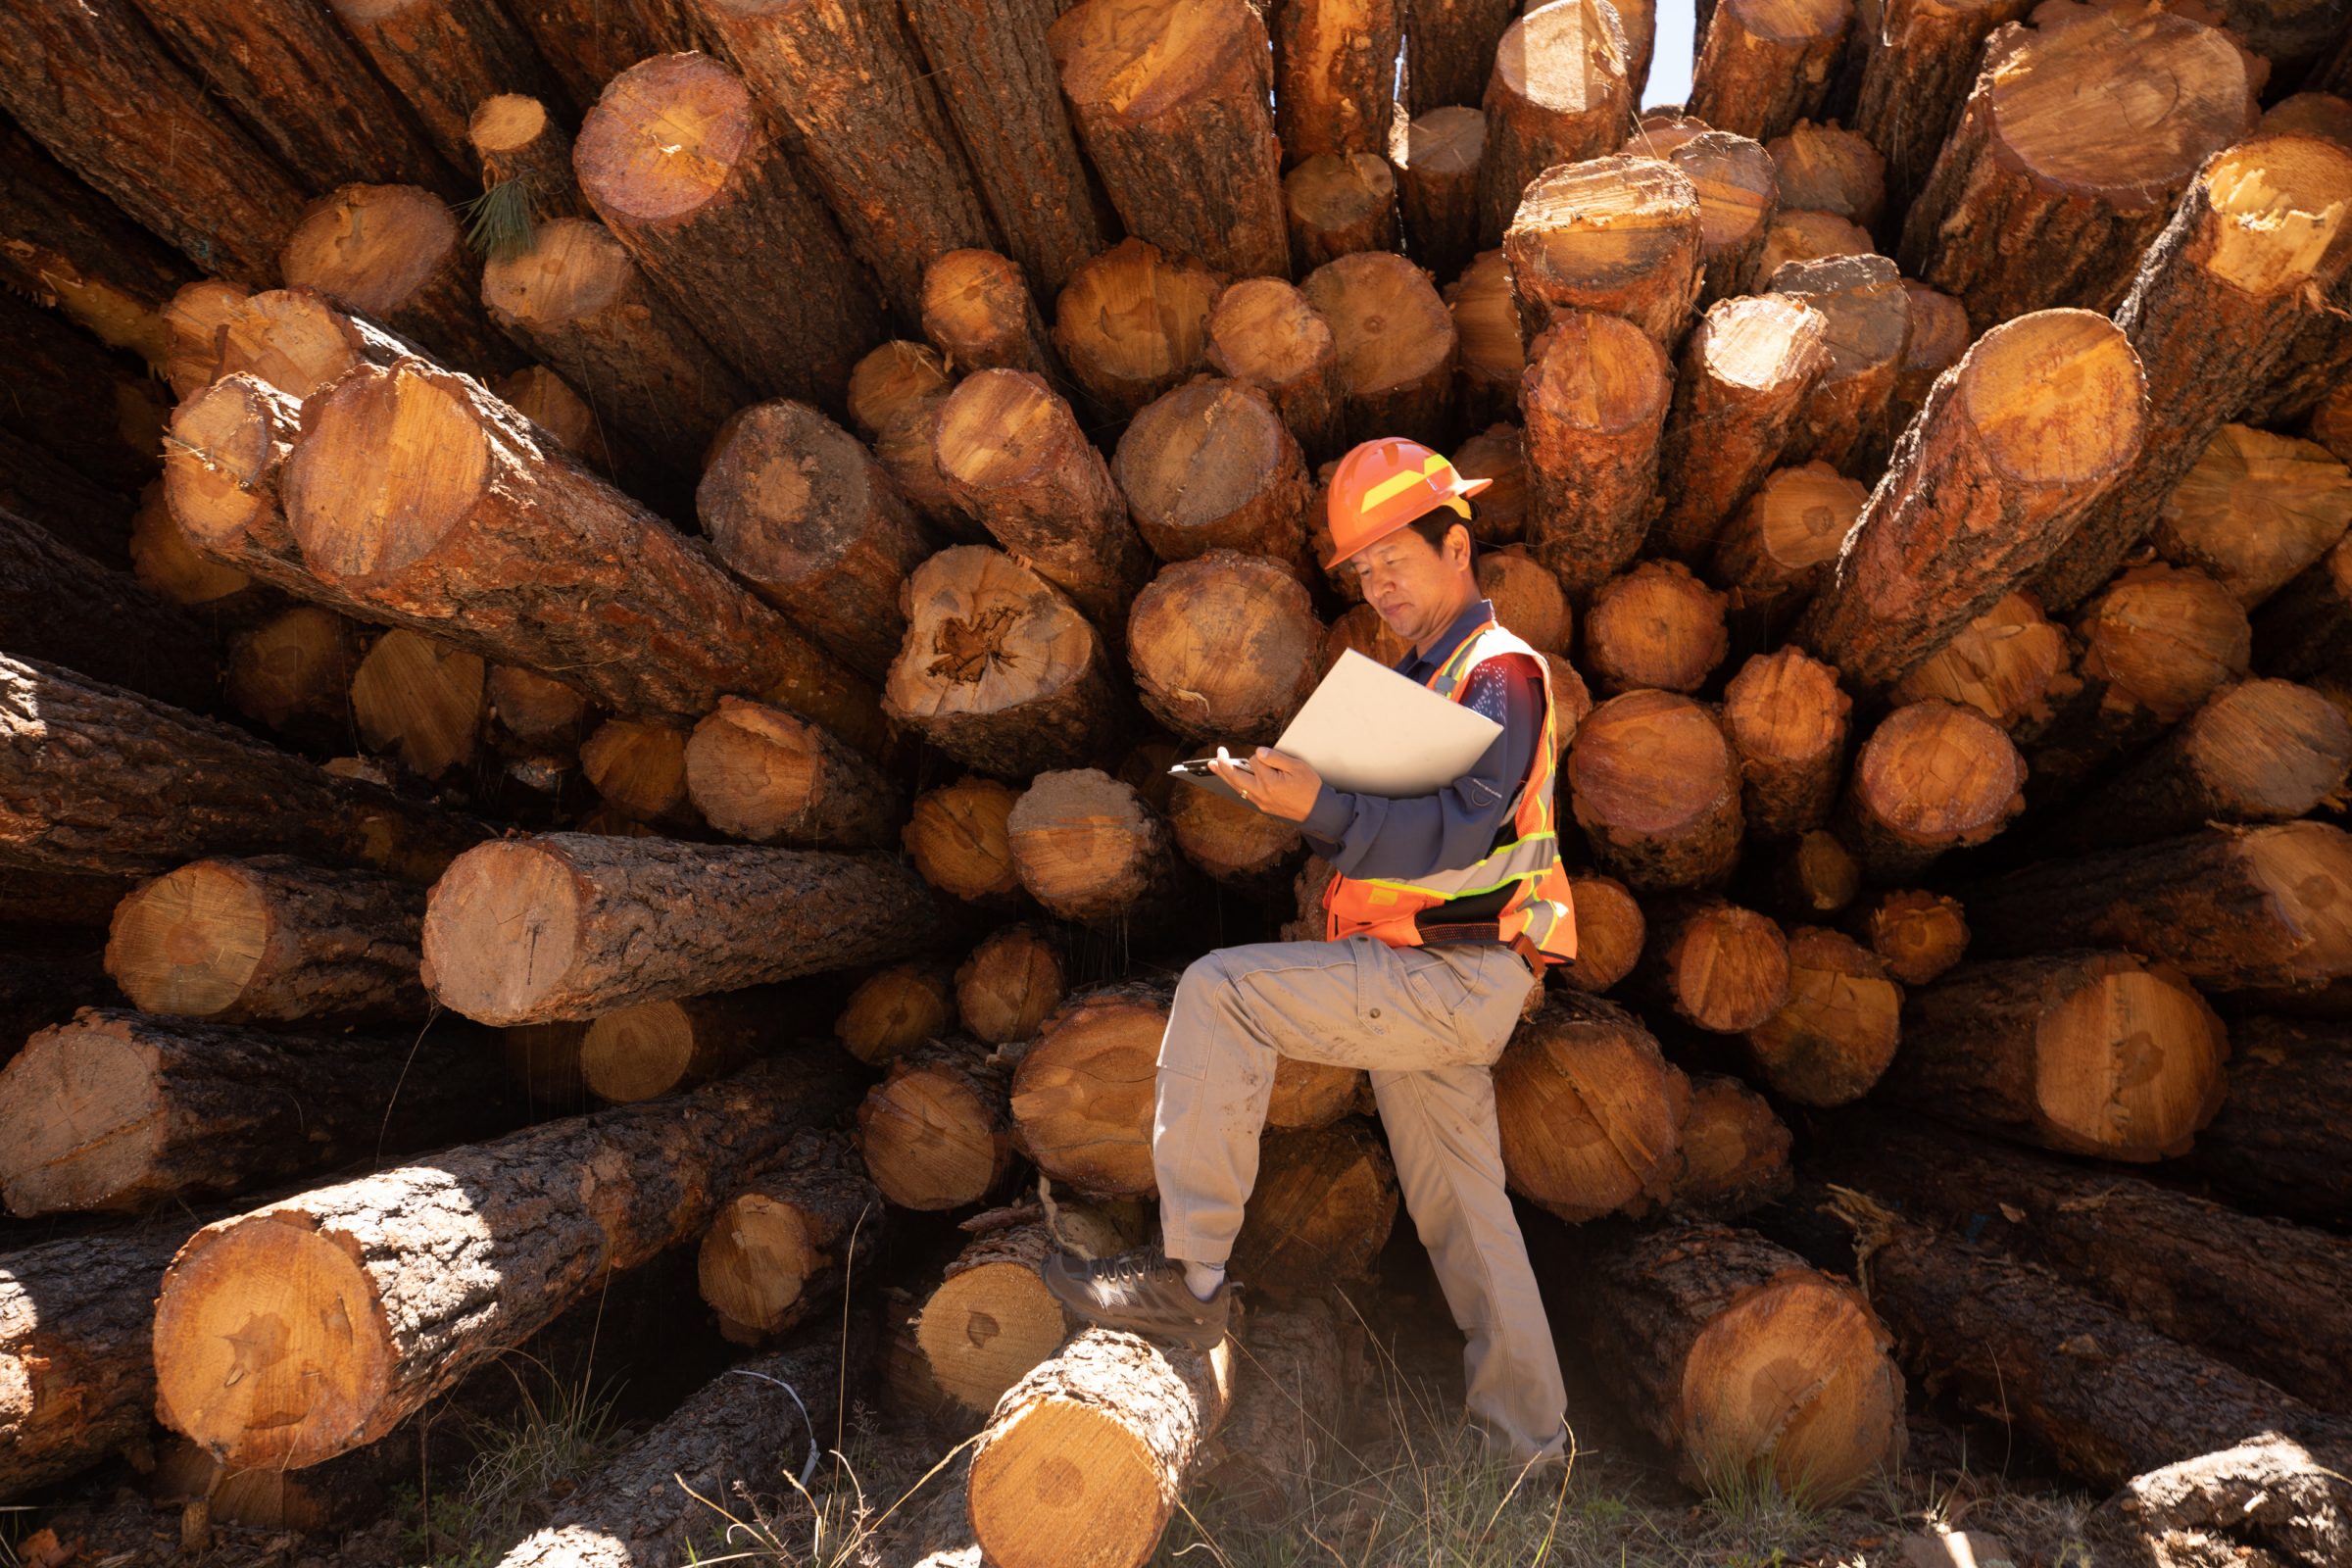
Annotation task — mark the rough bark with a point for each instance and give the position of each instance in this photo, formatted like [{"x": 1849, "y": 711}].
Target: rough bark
[
  {"x": 956, "y": 836},
  {"x": 1596, "y": 394},
  {"x": 442, "y": 57},
  {"x": 1436, "y": 157},
  {"x": 394, "y": 254},
  {"x": 67, "y": 246},
  {"x": 589, "y": 42},
  {"x": 756, "y": 772},
  {"x": 517, "y": 141},
  {"x": 788, "y": 1241},
  {"x": 1787, "y": 720},
  {"x": 295, "y": 339},
  {"x": 1844, "y": 421},
  {"x": 936, "y": 1134},
  {"x": 1335, "y": 75},
  {"x": 2276, "y": 1145},
  {"x": 1620, "y": 235},
  {"x": 1588, "y": 1111},
  {"x": 1746, "y": 373},
  {"x": 992, "y": 1320},
  {"x": 1918, "y": 65},
  {"x": 1655, "y": 786},
  {"x": 1933, "y": 777},
  {"x": 76, "y": 1374},
  {"x": 59, "y": 606},
  {"x": 1837, "y": 1034},
  {"x": 1449, "y": 49},
  {"x": 1224, "y": 647},
  {"x": 1559, "y": 93},
  {"x": 1761, "y": 67}
]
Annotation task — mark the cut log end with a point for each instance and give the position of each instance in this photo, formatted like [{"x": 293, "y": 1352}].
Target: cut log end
[
  {"x": 188, "y": 941},
  {"x": 1083, "y": 1093},
  {"x": 495, "y": 902},
  {"x": 1588, "y": 1111}
]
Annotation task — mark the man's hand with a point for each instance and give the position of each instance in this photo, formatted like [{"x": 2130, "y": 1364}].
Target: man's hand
[{"x": 1277, "y": 784}]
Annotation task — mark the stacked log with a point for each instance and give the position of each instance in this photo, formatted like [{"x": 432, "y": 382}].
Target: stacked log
[{"x": 1559, "y": 94}]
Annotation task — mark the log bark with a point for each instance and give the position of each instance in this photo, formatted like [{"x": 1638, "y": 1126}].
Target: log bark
[
  {"x": 1619, "y": 235},
  {"x": 1133, "y": 323},
  {"x": 1016, "y": 457},
  {"x": 999, "y": 671},
  {"x": 1837, "y": 1034},
  {"x": 977, "y": 310},
  {"x": 269, "y": 940},
  {"x": 936, "y": 1133},
  {"x": 1940, "y": 336},
  {"x": 1827, "y": 168},
  {"x": 2257, "y": 1292},
  {"x": 76, "y": 1325},
  {"x": 419, "y": 700},
  {"x": 1747, "y": 373},
  {"x": 1920, "y": 934},
  {"x": 574, "y": 296},
  {"x": 2009, "y": 664},
  {"x": 1655, "y": 627},
  {"x": 59, "y": 606},
  {"x": 1449, "y": 49},
  {"x": 517, "y": 141},
  {"x": 796, "y": 506},
  {"x": 661, "y": 1047},
  {"x": 1171, "y": 102},
  {"x": 1684, "y": 1321},
  {"x": 1559, "y": 93},
  {"x": 671, "y": 633},
  {"x": 1263, "y": 333},
  {"x": 1211, "y": 465},
  {"x": 180, "y": 166},
  {"x": 1720, "y": 967},
  {"x": 2276, "y": 1145},
  {"x": 589, "y": 42},
  {"x": 69, "y": 247},
  {"x": 1436, "y": 157},
  {"x": 1320, "y": 1212},
  {"x": 1655, "y": 786},
  {"x": 101, "y": 780},
  {"x": 894, "y": 1010},
  {"x": 2028, "y": 205},
  {"x": 116, "y": 1113},
  {"x": 1339, "y": 204},
  {"x": 1933, "y": 777},
  {"x": 70, "y": 900},
  {"x": 2262, "y": 224},
  {"x": 2255, "y": 511},
  {"x": 1734, "y": 1150},
  {"x": 1137, "y": 1416},
  {"x": 1917, "y": 68},
  {"x": 604, "y": 917},
  {"x": 1335, "y": 75},
  {"x": 1738, "y": 193},
  {"x": 1776, "y": 550},
  {"x": 756, "y": 772},
  {"x": 393, "y": 254},
  {"x": 1082, "y": 1094},
  {"x": 1396, "y": 345},
  {"x": 1224, "y": 647},
  {"x": 1492, "y": 357},
  {"x": 1588, "y": 1111},
  {"x": 1089, "y": 848},
  {"x": 788, "y": 1241},
  {"x": 1012, "y": 982},
  {"x": 2040, "y": 419},
  {"x": 1596, "y": 393},
  {"x": 442, "y": 57},
  {"x": 1787, "y": 720},
  {"x": 956, "y": 836},
  {"x": 992, "y": 1321},
  {"x": 678, "y": 161},
  {"x": 1844, "y": 421},
  {"x": 1762, "y": 68},
  {"x": 1609, "y": 933},
  {"x": 1275, "y": 1445}
]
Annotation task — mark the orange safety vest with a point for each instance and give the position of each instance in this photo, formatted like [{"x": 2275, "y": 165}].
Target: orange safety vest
[{"x": 1518, "y": 889}]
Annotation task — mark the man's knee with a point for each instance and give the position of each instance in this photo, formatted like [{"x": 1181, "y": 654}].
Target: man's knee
[{"x": 1201, "y": 994}]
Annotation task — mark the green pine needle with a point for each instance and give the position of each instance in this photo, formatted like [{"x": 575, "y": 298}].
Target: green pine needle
[{"x": 499, "y": 219}]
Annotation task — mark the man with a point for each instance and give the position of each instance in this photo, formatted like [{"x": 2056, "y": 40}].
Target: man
[{"x": 1443, "y": 914}]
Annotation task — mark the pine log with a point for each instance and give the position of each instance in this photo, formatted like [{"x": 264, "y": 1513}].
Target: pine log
[
  {"x": 116, "y": 1111},
  {"x": 1588, "y": 1111},
  {"x": 2305, "y": 629},
  {"x": 76, "y": 1374},
  {"x": 661, "y": 1047},
  {"x": 1776, "y": 550},
  {"x": 796, "y": 506},
  {"x": 1010, "y": 984},
  {"x": 2263, "y": 223},
  {"x": 1596, "y": 394},
  {"x": 977, "y": 310},
  {"x": 59, "y": 606},
  {"x": 892, "y": 379},
  {"x": 1845, "y": 422},
  {"x": 442, "y": 57},
  {"x": 2260, "y": 1293},
  {"x": 595, "y": 904},
  {"x": 516, "y": 141},
  {"x": 2278, "y": 1145},
  {"x": 2039, "y": 420},
  {"x": 1274, "y": 1447},
  {"x": 269, "y": 940},
  {"x": 1339, "y": 204},
  {"x": 179, "y": 164},
  {"x": 1527, "y": 598},
  {"x": 1795, "y": 234},
  {"x": 1751, "y": 1367},
  {"x": 1655, "y": 786},
  {"x": 1933, "y": 776},
  {"x": 2028, "y": 205},
  {"x": 1089, "y": 848},
  {"x": 71, "y": 901},
  {"x": 1787, "y": 720},
  {"x": 1450, "y": 47},
  {"x": 756, "y": 772},
  {"x": 574, "y": 296},
  {"x": 1263, "y": 333},
  {"x": 788, "y": 1241},
  {"x": 1559, "y": 94},
  {"x": 393, "y": 254},
  {"x": 421, "y": 700},
  {"x": 1396, "y": 345},
  {"x": 1718, "y": 967},
  {"x": 190, "y": 320},
  {"x": 548, "y": 401},
  {"x": 1619, "y": 235},
  {"x": 538, "y": 710},
  {"x": 1816, "y": 874},
  {"x": 295, "y": 339},
  {"x": 1016, "y": 455},
  {"x": 1918, "y": 65},
  {"x": 1212, "y": 467},
  {"x": 1837, "y": 1034},
  {"x": 1939, "y": 336},
  {"x": 1827, "y": 168},
  {"x": 1087, "y": 1457},
  {"x": 1920, "y": 934},
  {"x": 956, "y": 836},
  {"x": 678, "y": 161},
  {"x": 70, "y": 248},
  {"x": 589, "y": 42},
  {"x": 1321, "y": 1211},
  {"x": 1083, "y": 1093},
  {"x": 1335, "y": 73},
  {"x": 1738, "y": 195},
  {"x": 936, "y": 1133},
  {"x": 1655, "y": 627},
  {"x": 638, "y": 769},
  {"x": 1133, "y": 322},
  {"x": 1172, "y": 101},
  {"x": 992, "y": 1320},
  {"x": 1233, "y": 842},
  {"x": 894, "y": 1010},
  {"x": 1734, "y": 1150},
  {"x": 1761, "y": 67},
  {"x": 170, "y": 568},
  {"x": 102, "y": 780},
  {"x": 2256, "y": 509},
  {"x": 1609, "y": 933},
  {"x": 1437, "y": 156},
  {"x": 1224, "y": 647},
  {"x": 1746, "y": 373},
  {"x": 2009, "y": 664},
  {"x": 1490, "y": 357}
]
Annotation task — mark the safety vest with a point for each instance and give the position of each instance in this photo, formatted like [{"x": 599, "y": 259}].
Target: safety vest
[{"x": 1517, "y": 889}]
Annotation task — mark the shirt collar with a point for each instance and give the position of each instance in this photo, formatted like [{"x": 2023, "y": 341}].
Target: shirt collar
[{"x": 1416, "y": 668}]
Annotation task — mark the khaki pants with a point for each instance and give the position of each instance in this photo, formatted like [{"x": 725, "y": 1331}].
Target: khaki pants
[{"x": 1426, "y": 1023}]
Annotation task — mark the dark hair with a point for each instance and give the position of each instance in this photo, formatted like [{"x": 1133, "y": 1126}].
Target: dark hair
[{"x": 1434, "y": 526}]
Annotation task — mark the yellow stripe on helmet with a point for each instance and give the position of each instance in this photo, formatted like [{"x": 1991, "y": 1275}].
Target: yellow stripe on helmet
[{"x": 1397, "y": 484}]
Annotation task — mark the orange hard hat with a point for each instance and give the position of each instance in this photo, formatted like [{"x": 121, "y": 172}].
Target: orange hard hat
[{"x": 1381, "y": 485}]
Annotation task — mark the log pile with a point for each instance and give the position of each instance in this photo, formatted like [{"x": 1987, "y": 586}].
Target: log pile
[{"x": 720, "y": 610}]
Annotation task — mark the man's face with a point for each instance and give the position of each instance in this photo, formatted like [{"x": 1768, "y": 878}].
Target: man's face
[{"x": 1412, "y": 585}]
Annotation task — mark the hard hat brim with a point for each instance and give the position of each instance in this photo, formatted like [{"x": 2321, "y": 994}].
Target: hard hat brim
[{"x": 1461, "y": 490}]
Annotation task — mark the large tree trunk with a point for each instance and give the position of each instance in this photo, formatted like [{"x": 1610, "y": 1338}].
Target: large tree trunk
[
  {"x": 677, "y": 160},
  {"x": 1787, "y": 720},
  {"x": 788, "y": 1240},
  {"x": 442, "y": 57},
  {"x": 271, "y": 940},
  {"x": 1595, "y": 394},
  {"x": 100, "y": 781},
  {"x": 1083, "y": 1093},
  {"x": 66, "y": 245},
  {"x": 1844, "y": 421},
  {"x": 1171, "y": 100},
  {"x": 1436, "y": 157},
  {"x": 1836, "y": 1033},
  {"x": 429, "y": 1270},
  {"x": 1656, "y": 787},
  {"x": 1737, "y": 196},
  {"x": 2086, "y": 1053},
  {"x": 61, "y": 607},
  {"x": 2228, "y": 907},
  {"x": 116, "y": 1111},
  {"x": 1747, "y": 371},
  {"x": 76, "y": 1367},
  {"x": 2262, "y": 1294},
  {"x": 1762, "y": 68},
  {"x": 1224, "y": 647},
  {"x": 936, "y": 1134},
  {"x": 2277, "y": 1144},
  {"x": 992, "y": 1320},
  {"x": 1917, "y": 65},
  {"x": 978, "y": 312},
  {"x": 1748, "y": 1366},
  {"x": 1588, "y": 1111},
  {"x": 2262, "y": 224},
  {"x": 1262, "y": 332},
  {"x": 1933, "y": 777},
  {"x": 1558, "y": 93},
  {"x": 1977, "y": 499},
  {"x": 613, "y": 921},
  {"x": 1396, "y": 345},
  {"x": 589, "y": 42},
  {"x": 756, "y": 772},
  {"x": 394, "y": 254},
  {"x": 93, "y": 86},
  {"x": 1335, "y": 75},
  {"x": 1211, "y": 465},
  {"x": 1450, "y": 47}
]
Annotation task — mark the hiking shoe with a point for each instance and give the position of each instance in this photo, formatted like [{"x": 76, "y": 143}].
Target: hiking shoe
[{"x": 1142, "y": 1293}]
